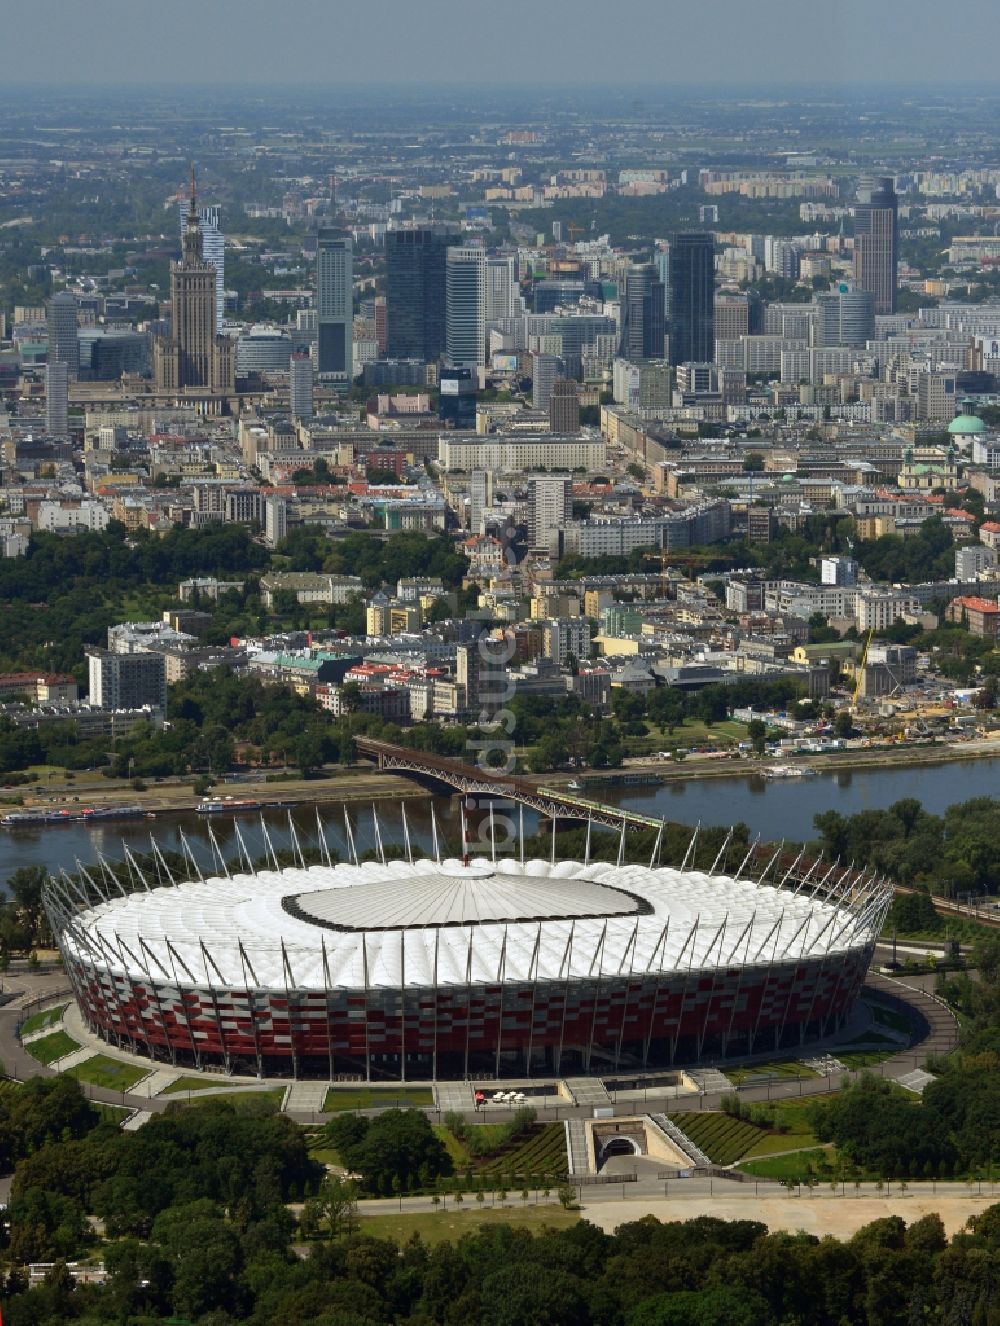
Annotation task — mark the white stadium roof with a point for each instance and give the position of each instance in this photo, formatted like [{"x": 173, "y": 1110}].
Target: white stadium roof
[{"x": 452, "y": 924}]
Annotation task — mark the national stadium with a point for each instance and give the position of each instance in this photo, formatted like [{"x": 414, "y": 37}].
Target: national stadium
[{"x": 422, "y": 969}]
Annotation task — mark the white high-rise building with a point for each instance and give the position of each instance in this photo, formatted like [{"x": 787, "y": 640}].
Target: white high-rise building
[
  {"x": 465, "y": 287},
  {"x": 550, "y": 506},
  {"x": 503, "y": 299},
  {"x": 275, "y": 520},
  {"x": 213, "y": 248},
  {"x": 57, "y": 399},
  {"x": 480, "y": 498}
]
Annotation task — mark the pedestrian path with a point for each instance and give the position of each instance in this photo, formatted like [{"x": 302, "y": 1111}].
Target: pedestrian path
[
  {"x": 456, "y": 1096},
  {"x": 577, "y": 1158},
  {"x": 305, "y": 1098},
  {"x": 709, "y": 1080},
  {"x": 588, "y": 1091},
  {"x": 135, "y": 1121},
  {"x": 156, "y": 1082},
  {"x": 73, "y": 1060}
]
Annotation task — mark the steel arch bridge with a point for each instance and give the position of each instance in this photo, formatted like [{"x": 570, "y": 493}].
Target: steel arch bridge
[{"x": 491, "y": 785}]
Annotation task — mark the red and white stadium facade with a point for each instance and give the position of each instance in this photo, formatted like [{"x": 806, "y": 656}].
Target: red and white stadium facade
[{"x": 426, "y": 969}]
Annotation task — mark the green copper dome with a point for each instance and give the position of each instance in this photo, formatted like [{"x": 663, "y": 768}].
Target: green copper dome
[{"x": 964, "y": 424}]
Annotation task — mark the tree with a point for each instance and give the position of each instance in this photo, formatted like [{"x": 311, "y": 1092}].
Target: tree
[
  {"x": 335, "y": 1206},
  {"x": 757, "y": 732},
  {"x": 843, "y": 725},
  {"x": 397, "y": 1145}
]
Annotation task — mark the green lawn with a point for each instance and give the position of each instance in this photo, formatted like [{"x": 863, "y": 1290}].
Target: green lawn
[
  {"x": 799, "y": 1165},
  {"x": 780, "y": 1068},
  {"x": 101, "y": 1071},
  {"x": 722, "y": 1138},
  {"x": 540, "y": 1151},
  {"x": 726, "y": 1140},
  {"x": 43, "y": 1019},
  {"x": 110, "y": 1113},
  {"x": 52, "y": 1047},
  {"x": 792, "y": 1115},
  {"x": 375, "y": 1098},
  {"x": 456, "y": 1149},
  {"x": 264, "y": 1102},
  {"x": 445, "y": 1226},
  {"x": 692, "y": 732},
  {"x": 183, "y": 1084}
]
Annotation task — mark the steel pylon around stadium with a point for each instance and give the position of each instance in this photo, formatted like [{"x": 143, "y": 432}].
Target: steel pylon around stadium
[{"x": 566, "y": 989}]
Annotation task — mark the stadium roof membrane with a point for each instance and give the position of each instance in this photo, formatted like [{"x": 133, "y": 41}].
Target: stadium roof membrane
[{"x": 429, "y": 923}]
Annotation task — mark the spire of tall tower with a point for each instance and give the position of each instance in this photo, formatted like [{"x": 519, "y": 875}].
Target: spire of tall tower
[{"x": 193, "y": 240}]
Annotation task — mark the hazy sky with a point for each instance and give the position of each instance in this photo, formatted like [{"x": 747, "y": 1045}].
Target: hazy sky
[{"x": 436, "y": 41}]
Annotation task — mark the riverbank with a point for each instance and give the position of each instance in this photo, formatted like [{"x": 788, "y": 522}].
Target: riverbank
[
  {"x": 366, "y": 784},
  {"x": 832, "y": 762},
  {"x": 165, "y": 798}
]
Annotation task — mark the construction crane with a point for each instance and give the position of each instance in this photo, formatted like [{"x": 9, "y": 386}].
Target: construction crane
[
  {"x": 860, "y": 673},
  {"x": 573, "y": 229}
]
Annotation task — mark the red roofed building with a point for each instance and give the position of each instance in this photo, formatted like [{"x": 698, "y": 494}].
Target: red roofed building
[
  {"x": 989, "y": 533},
  {"x": 982, "y": 616}
]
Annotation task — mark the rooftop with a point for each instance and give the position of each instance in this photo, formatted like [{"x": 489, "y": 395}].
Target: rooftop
[{"x": 447, "y": 923}]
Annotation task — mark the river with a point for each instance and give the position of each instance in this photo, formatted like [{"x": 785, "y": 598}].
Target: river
[{"x": 774, "y": 809}]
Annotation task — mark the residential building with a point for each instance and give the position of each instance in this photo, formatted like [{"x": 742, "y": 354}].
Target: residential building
[
  {"x": 838, "y": 571},
  {"x": 275, "y": 520},
  {"x": 565, "y": 637},
  {"x": 972, "y": 559},
  {"x": 127, "y": 681},
  {"x": 981, "y": 615},
  {"x": 550, "y": 506}
]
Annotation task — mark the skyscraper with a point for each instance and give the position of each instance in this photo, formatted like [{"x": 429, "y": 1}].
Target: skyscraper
[
  {"x": 642, "y": 314},
  {"x": 64, "y": 341},
  {"x": 465, "y": 288},
  {"x": 57, "y": 399},
  {"x": 564, "y": 407},
  {"x": 875, "y": 241},
  {"x": 335, "y": 306},
  {"x": 502, "y": 299},
  {"x": 193, "y": 356},
  {"x": 300, "y": 386},
  {"x": 692, "y": 298},
  {"x": 544, "y": 371},
  {"x": 64, "y": 344},
  {"x": 845, "y": 316},
  {"x": 416, "y": 291},
  {"x": 213, "y": 250},
  {"x": 550, "y": 506},
  {"x": 480, "y": 499}
]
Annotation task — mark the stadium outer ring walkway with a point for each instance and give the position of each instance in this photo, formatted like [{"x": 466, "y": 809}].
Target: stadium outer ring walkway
[{"x": 941, "y": 1036}]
